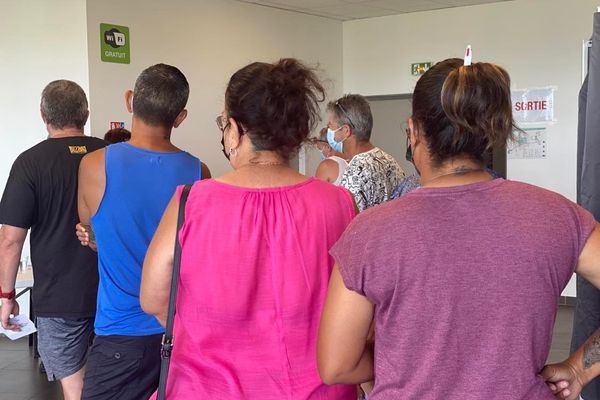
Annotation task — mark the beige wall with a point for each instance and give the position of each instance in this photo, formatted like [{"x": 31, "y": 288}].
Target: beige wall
[
  {"x": 538, "y": 41},
  {"x": 208, "y": 40},
  {"x": 37, "y": 47},
  {"x": 41, "y": 41}
]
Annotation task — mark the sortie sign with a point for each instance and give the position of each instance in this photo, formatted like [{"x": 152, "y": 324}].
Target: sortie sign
[{"x": 533, "y": 105}]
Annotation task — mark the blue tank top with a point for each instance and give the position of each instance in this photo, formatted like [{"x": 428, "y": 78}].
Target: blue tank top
[{"x": 139, "y": 185}]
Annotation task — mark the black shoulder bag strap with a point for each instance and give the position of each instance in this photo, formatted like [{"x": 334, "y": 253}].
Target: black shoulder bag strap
[{"x": 167, "y": 343}]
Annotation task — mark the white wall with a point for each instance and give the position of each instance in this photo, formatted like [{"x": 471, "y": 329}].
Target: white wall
[
  {"x": 41, "y": 41},
  {"x": 537, "y": 41},
  {"x": 208, "y": 40}
]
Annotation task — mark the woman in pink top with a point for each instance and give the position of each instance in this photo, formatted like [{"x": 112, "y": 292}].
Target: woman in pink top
[{"x": 255, "y": 264}]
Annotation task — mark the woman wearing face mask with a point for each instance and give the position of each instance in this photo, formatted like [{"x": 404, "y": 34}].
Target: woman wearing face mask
[
  {"x": 372, "y": 174},
  {"x": 333, "y": 163},
  {"x": 255, "y": 242},
  {"x": 461, "y": 277}
]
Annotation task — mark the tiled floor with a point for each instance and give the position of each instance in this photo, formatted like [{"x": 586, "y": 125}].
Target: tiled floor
[
  {"x": 20, "y": 378},
  {"x": 561, "y": 341}
]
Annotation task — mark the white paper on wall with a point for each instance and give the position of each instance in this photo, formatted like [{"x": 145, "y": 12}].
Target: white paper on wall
[
  {"x": 533, "y": 105},
  {"x": 528, "y": 143}
]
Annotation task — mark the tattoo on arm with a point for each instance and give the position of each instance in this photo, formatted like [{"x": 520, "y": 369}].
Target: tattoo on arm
[{"x": 591, "y": 350}]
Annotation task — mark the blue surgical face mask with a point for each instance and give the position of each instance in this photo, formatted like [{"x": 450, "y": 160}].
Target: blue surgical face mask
[
  {"x": 322, "y": 156},
  {"x": 336, "y": 146}
]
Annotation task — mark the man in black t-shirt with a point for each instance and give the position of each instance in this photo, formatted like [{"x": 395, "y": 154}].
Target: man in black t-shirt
[{"x": 41, "y": 195}]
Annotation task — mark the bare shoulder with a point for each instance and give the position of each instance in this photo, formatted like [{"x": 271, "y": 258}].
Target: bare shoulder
[
  {"x": 327, "y": 170},
  {"x": 93, "y": 163},
  {"x": 92, "y": 174},
  {"x": 94, "y": 157}
]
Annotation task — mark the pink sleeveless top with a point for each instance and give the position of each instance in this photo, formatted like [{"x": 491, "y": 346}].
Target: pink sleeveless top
[{"x": 254, "y": 275}]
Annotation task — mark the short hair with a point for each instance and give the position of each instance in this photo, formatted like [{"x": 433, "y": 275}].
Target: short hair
[
  {"x": 64, "y": 105},
  {"x": 160, "y": 94},
  {"x": 354, "y": 110},
  {"x": 117, "y": 135},
  {"x": 276, "y": 104},
  {"x": 463, "y": 110}
]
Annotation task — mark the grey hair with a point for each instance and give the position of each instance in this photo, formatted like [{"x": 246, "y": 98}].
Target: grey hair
[
  {"x": 354, "y": 110},
  {"x": 64, "y": 104}
]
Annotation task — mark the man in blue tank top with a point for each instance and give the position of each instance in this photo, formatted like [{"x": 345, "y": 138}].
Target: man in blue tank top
[{"x": 123, "y": 191}]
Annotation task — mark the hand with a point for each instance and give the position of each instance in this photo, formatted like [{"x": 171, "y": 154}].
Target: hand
[
  {"x": 564, "y": 380},
  {"x": 82, "y": 234},
  {"x": 9, "y": 307},
  {"x": 85, "y": 235}
]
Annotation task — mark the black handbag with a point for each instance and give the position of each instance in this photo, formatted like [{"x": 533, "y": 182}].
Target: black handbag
[{"x": 167, "y": 342}]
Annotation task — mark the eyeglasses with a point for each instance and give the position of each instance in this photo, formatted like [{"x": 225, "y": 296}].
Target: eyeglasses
[
  {"x": 222, "y": 126},
  {"x": 343, "y": 110},
  {"x": 408, "y": 155}
]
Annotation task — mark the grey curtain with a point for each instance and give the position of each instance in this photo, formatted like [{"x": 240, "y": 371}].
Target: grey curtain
[{"x": 587, "y": 310}]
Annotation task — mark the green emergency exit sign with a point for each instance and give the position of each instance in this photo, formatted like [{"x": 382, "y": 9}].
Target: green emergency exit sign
[{"x": 419, "y": 69}]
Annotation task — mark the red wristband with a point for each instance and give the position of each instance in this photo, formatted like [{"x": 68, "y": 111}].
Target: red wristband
[{"x": 8, "y": 296}]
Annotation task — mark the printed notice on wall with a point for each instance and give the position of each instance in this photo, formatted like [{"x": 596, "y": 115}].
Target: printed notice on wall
[
  {"x": 117, "y": 125},
  {"x": 533, "y": 105},
  {"x": 528, "y": 143},
  {"x": 114, "y": 44}
]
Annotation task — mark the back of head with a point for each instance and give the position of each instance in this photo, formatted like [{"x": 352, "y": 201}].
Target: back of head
[
  {"x": 160, "y": 94},
  {"x": 117, "y": 135},
  {"x": 64, "y": 105},
  {"x": 275, "y": 104},
  {"x": 354, "y": 110},
  {"x": 463, "y": 110}
]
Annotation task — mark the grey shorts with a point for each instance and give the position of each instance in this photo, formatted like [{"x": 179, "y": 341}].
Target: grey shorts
[{"x": 63, "y": 344}]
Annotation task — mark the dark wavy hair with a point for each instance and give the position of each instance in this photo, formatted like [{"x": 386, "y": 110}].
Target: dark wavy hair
[
  {"x": 117, "y": 135},
  {"x": 277, "y": 104},
  {"x": 463, "y": 110}
]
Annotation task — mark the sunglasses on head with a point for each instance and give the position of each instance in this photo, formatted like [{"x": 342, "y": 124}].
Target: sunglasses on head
[{"x": 343, "y": 110}]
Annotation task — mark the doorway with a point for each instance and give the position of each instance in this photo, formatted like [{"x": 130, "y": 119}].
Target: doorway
[{"x": 389, "y": 115}]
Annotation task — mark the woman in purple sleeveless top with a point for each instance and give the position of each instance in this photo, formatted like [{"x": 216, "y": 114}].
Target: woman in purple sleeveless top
[
  {"x": 461, "y": 276},
  {"x": 255, "y": 264}
]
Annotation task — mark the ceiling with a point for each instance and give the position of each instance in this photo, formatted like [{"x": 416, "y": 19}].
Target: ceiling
[{"x": 346, "y": 10}]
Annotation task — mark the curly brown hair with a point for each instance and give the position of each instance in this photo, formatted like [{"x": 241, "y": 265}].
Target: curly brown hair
[{"x": 277, "y": 104}]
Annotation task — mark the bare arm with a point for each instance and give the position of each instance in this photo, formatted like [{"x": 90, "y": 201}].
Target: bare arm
[
  {"x": 11, "y": 245},
  {"x": 567, "y": 378},
  {"x": 328, "y": 171},
  {"x": 343, "y": 355},
  {"x": 91, "y": 186},
  {"x": 158, "y": 265}
]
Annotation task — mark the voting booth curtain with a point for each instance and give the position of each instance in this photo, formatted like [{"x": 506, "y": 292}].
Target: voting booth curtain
[{"x": 587, "y": 310}]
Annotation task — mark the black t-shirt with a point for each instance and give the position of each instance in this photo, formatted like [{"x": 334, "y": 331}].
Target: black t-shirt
[{"x": 41, "y": 194}]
